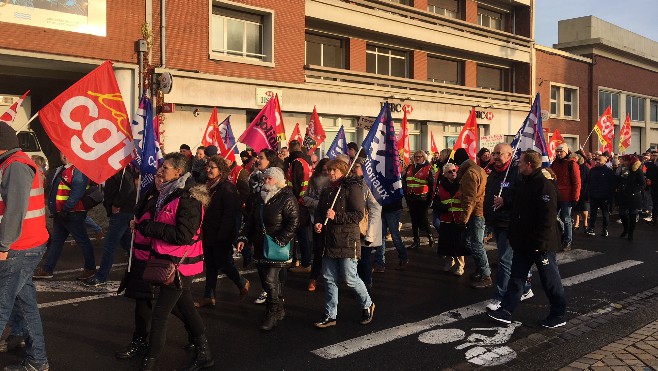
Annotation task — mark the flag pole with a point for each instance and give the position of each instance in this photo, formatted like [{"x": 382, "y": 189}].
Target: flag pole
[
  {"x": 231, "y": 150},
  {"x": 338, "y": 192},
  {"x": 516, "y": 147},
  {"x": 28, "y": 122},
  {"x": 132, "y": 236},
  {"x": 585, "y": 142}
]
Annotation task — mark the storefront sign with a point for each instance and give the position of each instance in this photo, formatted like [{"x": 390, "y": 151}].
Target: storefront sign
[
  {"x": 399, "y": 107},
  {"x": 264, "y": 94},
  {"x": 83, "y": 16},
  {"x": 487, "y": 115}
]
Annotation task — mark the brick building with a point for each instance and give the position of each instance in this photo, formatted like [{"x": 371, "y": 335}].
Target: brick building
[{"x": 623, "y": 74}]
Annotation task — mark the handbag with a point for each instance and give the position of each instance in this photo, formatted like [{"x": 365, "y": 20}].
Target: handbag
[
  {"x": 161, "y": 271},
  {"x": 272, "y": 250}
]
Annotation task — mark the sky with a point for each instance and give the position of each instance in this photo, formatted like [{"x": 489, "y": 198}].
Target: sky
[{"x": 639, "y": 16}]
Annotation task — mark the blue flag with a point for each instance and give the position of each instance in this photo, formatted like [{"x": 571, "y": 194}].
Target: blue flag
[
  {"x": 137, "y": 128},
  {"x": 151, "y": 155},
  {"x": 339, "y": 145},
  {"x": 226, "y": 133},
  {"x": 531, "y": 134},
  {"x": 381, "y": 170}
]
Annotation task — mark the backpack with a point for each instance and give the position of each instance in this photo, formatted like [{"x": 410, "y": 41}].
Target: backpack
[{"x": 92, "y": 197}]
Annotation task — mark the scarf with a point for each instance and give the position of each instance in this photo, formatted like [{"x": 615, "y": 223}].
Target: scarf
[
  {"x": 268, "y": 191},
  {"x": 335, "y": 185},
  {"x": 168, "y": 188},
  {"x": 500, "y": 169}
]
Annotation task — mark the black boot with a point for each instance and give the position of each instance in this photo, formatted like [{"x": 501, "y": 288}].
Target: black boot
[
  {"x": 203, "y": 357},
  {"x": 430, "y": 240},
  {"x": 270, "y": 320},
  {"x": 136, "y": 346},
  {"x": 631, "y": 226},
  {"x": 624, "y": 222},
  {"x": 189, "y": 347},
  {"x": 148, "y": 364}
]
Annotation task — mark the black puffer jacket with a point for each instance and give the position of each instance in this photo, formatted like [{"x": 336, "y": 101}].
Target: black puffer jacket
[
  {"x": 631, "y": 186},
  {"x": 341, "y": 236},
  {"x": 533, "y": 221},
  {"x": 281, "y": 216},
  {"x": 501, "y": 216},
  {"x": 219, "y": 222}
]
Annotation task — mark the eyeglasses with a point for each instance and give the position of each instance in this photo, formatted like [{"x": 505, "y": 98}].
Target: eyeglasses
[
  {"x": 451, "y": 171},
  {"x": 559, "y": 150},
  {"x": 212, "y": 167}
]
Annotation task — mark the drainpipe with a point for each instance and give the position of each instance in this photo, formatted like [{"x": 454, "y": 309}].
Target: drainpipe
[{"x": 163, "y": 6}]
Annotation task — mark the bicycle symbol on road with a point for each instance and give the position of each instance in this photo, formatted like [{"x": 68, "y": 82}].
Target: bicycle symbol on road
[{"x": 486, "y": 351}]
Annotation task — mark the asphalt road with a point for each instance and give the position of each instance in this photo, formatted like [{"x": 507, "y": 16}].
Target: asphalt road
[{"x": 424, "y": 318}]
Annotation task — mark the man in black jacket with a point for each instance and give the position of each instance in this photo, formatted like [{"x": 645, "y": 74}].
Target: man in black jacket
[
  {"x": 601, "y": 187},
  {"x": 120, "y": 194},
  {"x": 534, "y": 237}
]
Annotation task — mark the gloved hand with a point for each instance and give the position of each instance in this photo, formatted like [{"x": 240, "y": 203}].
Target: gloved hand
[
  {"x": 141, "y": 227},
  {"x": 574, "y": 203},
  {"x": 64, "y": 216}
]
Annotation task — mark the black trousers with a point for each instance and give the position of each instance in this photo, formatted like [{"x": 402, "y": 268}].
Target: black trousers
[
  {"x": 179, "y": 298},
  {"x": 418, "y": 211},
  {"x": 219, "y": 257},
  {"x": 595, "y": 204},
  {"x": 272, "y": 284}
]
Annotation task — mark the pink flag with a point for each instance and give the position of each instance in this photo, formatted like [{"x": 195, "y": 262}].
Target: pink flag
[
  {"x": 10, "y": 115},
  {"x": 262, "y": 133}
]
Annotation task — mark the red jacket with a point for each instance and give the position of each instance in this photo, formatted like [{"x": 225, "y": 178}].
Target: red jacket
[{"x": 568, "y": 178}]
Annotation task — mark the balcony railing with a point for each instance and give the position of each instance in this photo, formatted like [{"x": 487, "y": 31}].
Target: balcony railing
[{"x": 347, "y": 78}]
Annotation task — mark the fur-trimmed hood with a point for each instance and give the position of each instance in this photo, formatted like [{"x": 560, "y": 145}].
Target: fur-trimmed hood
[{"x": 200, "y": 193}]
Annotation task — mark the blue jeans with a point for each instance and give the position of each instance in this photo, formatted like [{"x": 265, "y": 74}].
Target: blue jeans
[
  {"x": 564, "y": 210},
  {"x": 436, "y": 220},
  {"x": 549, "y": 276},
  {"x": 505, "y": 254},
  {"x": 391, "y": 222},
  {"x": 346, "y": 268},
  {"x": 19, "y": 296},
  {"x": 118, "y": 231},
  {"x": 475, "y": 244},
  {"x": 74, "y": 225},
  {"x": 91, "y": 224}
]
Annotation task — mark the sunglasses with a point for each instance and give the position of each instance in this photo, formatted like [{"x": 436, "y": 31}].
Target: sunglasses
[{"x": 451, "y": 171}]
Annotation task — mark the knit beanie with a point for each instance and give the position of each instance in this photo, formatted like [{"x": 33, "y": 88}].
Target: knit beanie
[
  {"x": 8, "y": 138},
  {"x": 276, "y": 174},
  {"x": 461, "y": 156},
  {"x": 211, "y": 151}
]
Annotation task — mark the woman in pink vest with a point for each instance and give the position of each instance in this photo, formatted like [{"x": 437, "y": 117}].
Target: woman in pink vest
[{"x": 175, "y": 232}]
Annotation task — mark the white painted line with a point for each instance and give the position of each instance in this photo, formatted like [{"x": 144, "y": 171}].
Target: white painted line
[
  {"x": 358, "y": 344},
  {"x": 76, "y": 300},
  {"x": 114, "y": 266},
  {"x": 571, "y": 256},
  {"x": 574, "y": 280}
]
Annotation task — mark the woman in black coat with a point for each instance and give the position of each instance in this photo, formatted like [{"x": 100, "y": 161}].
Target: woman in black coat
[
  {"x": 630, "y": 193},
  {"x": 276, "y": 211},
  {"x": 219, "y": 231}
]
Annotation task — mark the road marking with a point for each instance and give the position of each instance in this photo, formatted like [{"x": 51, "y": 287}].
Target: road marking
[
  {"x": 358, "y": 344},
  {"x": 76, "y": 300}
]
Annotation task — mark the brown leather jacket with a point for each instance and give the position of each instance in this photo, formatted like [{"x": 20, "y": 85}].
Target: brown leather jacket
[{"x": 472, "y": 182}]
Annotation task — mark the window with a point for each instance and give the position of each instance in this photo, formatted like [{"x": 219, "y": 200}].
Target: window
[
  {"x": 564, "y": 102},
  {"x": 331, "y": 125},
  {"x": 635, "y": 106},
  {"x": 241, "y": 35},
  {"x": 414, "y": 136},
  {"x": 403, "y": 2},
  {"x": 489, "y": 18},
  {"x": 385, "y": 61},
  {"x": 653, "y": 108},
  {"x": 606, "y": 99},
  {"x": 490, "y": 78},
  {"x": 324, "y": 51},
  {"x": 448, "y": 8},
  {"x": 444, "y": 70}
]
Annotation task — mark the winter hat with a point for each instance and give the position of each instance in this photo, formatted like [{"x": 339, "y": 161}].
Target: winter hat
[
  {"x": 276, "y": 174},
  {"x": 461, "y": 156},
  {"x": 211, "y": 151},
  {"x": 482, "y": 151},
  {"x": 8, "y": 138}
]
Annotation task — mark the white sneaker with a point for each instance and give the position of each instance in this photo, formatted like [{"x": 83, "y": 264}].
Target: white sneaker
[
  {"x": 527, "y": 295},
  {"x": 494, "y": 305},
  {"x": 457, "y": 270},
  {"x": 261, "y": 298}
]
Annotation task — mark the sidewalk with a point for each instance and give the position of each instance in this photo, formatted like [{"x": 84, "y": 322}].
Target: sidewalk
[{"x": 637, "y": 351}]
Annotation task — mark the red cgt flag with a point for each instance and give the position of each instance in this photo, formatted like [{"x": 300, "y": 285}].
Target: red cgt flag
[
  {"x": 89, "y": 124},
  {"x": 433, "y": 146},
  {"x": 10, "y": 115},
  {"x": 315, "y": 135},
  {"x": 625, "y": 134},
  {"x": 556, "y": 140},
  {"x": 211, "y": 135},
  {"x": 296, "y": 135},
  {"x": 468, "y": 138},
  {"x": 605, "y": 129},
  {"x": 403, "y": 144}
]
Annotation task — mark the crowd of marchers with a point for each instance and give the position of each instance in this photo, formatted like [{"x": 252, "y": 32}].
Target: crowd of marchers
[{"x": 203, "y": 209}]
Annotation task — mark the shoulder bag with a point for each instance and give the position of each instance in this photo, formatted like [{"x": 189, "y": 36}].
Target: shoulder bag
[{"x": 272, "y": 250}]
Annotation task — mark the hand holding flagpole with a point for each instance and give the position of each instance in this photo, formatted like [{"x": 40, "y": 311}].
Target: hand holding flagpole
[{"x": 333, "y": 203}]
